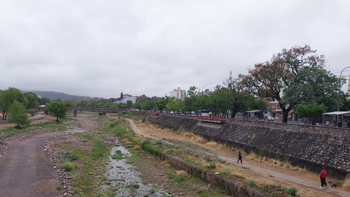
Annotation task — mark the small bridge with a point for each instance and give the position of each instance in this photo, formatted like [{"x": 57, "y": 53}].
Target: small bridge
[{"x": 99, "y": 110}]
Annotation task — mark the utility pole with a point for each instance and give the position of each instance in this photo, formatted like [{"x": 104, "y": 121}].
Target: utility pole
[{"x": 340, "y": 84}]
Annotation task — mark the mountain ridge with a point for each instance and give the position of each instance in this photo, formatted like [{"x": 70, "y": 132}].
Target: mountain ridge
[{"x": 52, "y": 95}]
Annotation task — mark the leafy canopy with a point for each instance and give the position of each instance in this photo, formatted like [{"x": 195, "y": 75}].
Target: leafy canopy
[
  {"x": 57, "y": 109},
  {"x": 291, "y": 78},
  {"x": 18, "y": 114}
]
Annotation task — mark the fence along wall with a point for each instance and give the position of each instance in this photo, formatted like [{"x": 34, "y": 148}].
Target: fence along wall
[{"x": 306, "y": 146}]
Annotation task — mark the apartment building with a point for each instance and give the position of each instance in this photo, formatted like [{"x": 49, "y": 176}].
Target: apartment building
[{"x": 178, "y": 93}]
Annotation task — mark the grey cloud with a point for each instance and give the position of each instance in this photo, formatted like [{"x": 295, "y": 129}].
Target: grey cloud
[{"x": 100, "y": 48}]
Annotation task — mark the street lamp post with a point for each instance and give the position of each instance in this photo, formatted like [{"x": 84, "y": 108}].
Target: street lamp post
[
  {"x": 205, "y": 85},
  {"x": 340, "y": 84}
]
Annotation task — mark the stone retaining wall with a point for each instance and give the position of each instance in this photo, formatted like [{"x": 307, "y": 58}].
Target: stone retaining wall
[
  {"x": 307, "y": 146},
  {"x": 233, "y": 188}
]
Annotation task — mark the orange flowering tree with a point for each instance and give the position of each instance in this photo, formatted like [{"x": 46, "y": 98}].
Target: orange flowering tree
[{"x": 290, "y": 78}]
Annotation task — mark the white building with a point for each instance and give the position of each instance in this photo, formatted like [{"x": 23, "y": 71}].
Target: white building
[
  {"x": 127, "y": 98},
  {"x": 178, "y": 93}
]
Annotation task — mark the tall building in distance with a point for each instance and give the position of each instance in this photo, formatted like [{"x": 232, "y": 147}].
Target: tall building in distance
[{"x": 178, "y": 93}]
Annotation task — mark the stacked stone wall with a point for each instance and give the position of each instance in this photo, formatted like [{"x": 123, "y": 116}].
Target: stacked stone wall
[{"x": 311, "y": 147}]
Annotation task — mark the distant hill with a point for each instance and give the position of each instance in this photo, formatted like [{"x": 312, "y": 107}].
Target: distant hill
[{"x": 54, "y": 95}]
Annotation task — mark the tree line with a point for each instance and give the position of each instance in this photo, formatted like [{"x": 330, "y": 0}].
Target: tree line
[
  {"x": 18, "y": 105},
  {"x": 296, "y": 78}
]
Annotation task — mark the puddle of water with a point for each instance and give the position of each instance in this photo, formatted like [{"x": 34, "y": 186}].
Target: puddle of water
[{"x": 120, "y": 174}]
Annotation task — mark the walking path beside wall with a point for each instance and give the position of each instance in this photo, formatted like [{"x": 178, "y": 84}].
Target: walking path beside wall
[
  {"x": 306, "y": 146},
  {"x": 266, "y": 171}
]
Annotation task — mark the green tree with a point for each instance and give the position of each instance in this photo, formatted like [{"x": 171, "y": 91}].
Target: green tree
[
  {"x": 203, "y": 102},
  {"x": 57, "y": 109},
  {"x": 147, "y": 105},
  {"x": 45, "y": 100},
  {"x": 222, "y": 100},
  {"x": 7, "y": 97},
  {"x": 136, "y": 105},
  {"x": 18, "y": 114},
  {"x": 172, "y": 105},
  {"x": 311, "y": 110},
  {"x": 69, "y": 103},
  {"x": 160, "y": 104},
  {"x": 83, "y": 104},
  {"x": 32, "y": 100},
  {"x": 129, "y": 104},
  {"x": 189, "y": 102},
  {"x": 292, "y": 77},
  {"x": 239, "y": 92}
]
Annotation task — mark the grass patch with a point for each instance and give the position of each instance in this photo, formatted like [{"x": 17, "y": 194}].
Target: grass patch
[
  {"x": 132, "y": 185},
  {"x": 11, "y": 131},
  {"x": 291, "y": 191},
  {"x": 68, "y": 166},
  {"x": 179, "y": 179},
  {"x": 66, "y": 156}
]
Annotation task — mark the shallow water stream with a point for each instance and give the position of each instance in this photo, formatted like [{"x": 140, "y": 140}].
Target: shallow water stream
[{"x": 122, "y": 175}]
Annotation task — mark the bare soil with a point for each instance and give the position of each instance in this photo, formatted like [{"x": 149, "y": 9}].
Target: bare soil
[
  {"x": 26, "y": 165},
  {"x": 25, "y": 169}
]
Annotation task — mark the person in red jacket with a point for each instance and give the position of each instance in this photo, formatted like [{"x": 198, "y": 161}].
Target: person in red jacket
[{"x": 323, "y": 176}]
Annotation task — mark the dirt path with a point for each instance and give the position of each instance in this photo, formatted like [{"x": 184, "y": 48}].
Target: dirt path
[
  {"x": 25, "y": 169},
  {"x": 154, "y": 132}
]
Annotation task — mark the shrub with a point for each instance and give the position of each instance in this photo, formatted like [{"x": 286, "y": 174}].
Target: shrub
[
  {"x": 143, "y": 119},
  {"x": 212, "y": 164},
  {"x": 228, "y": 171},
  {"x": 179, "y": 179},
  {"x": 252, "y": 183},
  {"x": 216, "y": 156},
  {"x": 68, "y": 166},
  {"x": 132, "y": 185},
  {"x": 292, "y": 191},
  {"x": 274, "y": 194},
  {"x": 99, "y": 149},
  {"x": 149, "y": 148},
  {"x": 117, "y": 157},
  {"x": 59, "y": 188},
  {"x": 170, "y": 175},
  {"x": 66, "y": 156}
]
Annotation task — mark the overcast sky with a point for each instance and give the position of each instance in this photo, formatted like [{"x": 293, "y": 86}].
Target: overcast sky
[{"x": 101, "y": 48}]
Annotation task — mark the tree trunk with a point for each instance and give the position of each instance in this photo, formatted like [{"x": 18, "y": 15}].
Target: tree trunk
[
  {"x": 285, "y": 115},
  {"x": 233, "y": 114},
  {"x": 57, "y": 120}
]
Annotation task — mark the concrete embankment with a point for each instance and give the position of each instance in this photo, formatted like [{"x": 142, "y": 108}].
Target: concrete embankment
[{"x": 310, "y": 147}]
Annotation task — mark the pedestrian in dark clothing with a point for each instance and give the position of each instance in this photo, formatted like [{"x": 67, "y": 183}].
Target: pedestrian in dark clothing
[
  {"x": 239, "y": 157},
  {"x": 323, "y": 176}
]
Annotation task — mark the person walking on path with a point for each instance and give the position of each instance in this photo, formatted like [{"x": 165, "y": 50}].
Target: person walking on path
[
  {"x": 323, "y": 176},
  {"x": 239, "y": 157}
]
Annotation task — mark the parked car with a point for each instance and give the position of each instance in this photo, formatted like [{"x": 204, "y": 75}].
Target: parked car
[
  {"x": 172, "y": 112},
  {"x": 269, "y": 118}
]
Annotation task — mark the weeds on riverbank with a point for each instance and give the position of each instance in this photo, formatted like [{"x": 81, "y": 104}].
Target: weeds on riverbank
[{"x": 11, "y": 131}]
